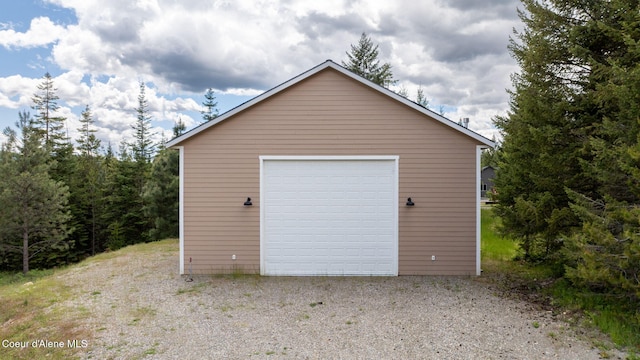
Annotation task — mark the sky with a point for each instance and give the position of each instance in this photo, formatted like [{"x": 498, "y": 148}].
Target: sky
[{"x": 99, "y": 51}]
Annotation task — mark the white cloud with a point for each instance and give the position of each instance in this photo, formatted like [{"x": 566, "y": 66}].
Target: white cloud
[
  {"x": 16, "y": 91},
  {"x": 237, "y": 45},
  {"x": 455, "y": 49},
  {"x": 42, "y": 32}
]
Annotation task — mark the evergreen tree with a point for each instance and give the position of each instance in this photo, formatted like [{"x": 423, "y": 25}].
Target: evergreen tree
[
  {"x": 124, "y": 214},
  {"x": 608, "y": 38},
  {"x": 490, "y": 157},
  {"x": 421, "y": 98},
  {"x": 363, "y": 60},
  {"x": 45, "y": 103},
  {"x": 566, "y": 128},
  {"x": 88, "y": 143},
  {"x": 161, "y": 195},
  {"x": 88, "y": 184},
  {"x": 178, "y": 128},
  {"x": 604, "y": 255},
  {"x": 127, "y": 222},
  {"x": 403, "y": 91},
  {"x": 53, "y": 129},
  {"x": 210, "y": 111},
  {"x": 142, "y": 149},
  {"x": 33, "y": 207},
  {"x": 142, "y": 146}
]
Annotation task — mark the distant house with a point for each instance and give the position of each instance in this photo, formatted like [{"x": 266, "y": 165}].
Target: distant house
[
  {"x": 487, "y": 175},
  {"x": 330, "y": 174}
]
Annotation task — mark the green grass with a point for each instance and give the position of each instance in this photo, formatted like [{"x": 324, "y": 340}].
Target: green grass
[
  {"x": 29, "y": 311},
  {"x": 494, "y": 246},
  {"x": 540, "y": 282},
  {"x": 31, "y": 307},
  {"x": 7, "y": 278},
  {"x": 612, "y": 315}
]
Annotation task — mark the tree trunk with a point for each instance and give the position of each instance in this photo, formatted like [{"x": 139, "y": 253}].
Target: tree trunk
[
  {"x": 93, "y": 226},
  {"x": 25, "y": 252}
]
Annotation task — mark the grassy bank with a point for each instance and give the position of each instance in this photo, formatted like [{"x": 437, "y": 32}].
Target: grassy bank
[
  {"x": 34, "y": 324},
  {"x": 540, "y": 283},
  {"x": 35, "y": 321}
]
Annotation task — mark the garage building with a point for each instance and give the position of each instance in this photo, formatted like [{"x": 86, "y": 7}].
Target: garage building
[{"x": 330, "y": 174}]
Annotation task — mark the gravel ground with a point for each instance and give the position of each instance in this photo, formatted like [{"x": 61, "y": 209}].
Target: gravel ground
[{"x": 141, "y": 308}]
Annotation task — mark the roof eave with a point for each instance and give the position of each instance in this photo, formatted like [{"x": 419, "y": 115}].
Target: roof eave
[
  {"x": 265, "y": 95},
  {"x": 415, "y": 106},
  {"x": 329, "y": 64}
]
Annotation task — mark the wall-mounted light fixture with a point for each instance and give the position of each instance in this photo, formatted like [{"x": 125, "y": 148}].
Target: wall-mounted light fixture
[
  {"x": 409, "y": 202},
  {"x": 248, "y": 202}
]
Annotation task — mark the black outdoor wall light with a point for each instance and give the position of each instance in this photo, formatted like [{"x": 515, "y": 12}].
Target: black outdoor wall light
[
  {"x": 248, "y": 202},
  {"x": 409, "y": 202}
]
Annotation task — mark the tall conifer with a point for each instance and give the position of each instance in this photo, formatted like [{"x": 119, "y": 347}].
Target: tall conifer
[{"x": 363, "y": 60}]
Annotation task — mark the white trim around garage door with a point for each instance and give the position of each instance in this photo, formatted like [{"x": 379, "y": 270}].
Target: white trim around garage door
[{"x": 393, "y": 158}]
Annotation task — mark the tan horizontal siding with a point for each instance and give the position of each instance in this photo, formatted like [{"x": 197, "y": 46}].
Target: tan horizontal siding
[{"x": 329, "y": 114}]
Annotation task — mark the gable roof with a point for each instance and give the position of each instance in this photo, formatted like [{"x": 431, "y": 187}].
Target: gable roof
[{"x": 332, "y": 65}]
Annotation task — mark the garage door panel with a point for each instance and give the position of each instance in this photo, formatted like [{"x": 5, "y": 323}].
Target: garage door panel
[{"x": 329, "y": 217}]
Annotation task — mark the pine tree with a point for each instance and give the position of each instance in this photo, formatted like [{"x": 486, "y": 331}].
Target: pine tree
[
  {"x": 45, "y": 103},
  {"x": 88, "y": 184},
  {"x": 124, "y": 214},
  {"x": 210, "y": 111},
  {"x": 161, "y": 195},
  {"x": 33, "y": 207},
  {"x": 421, "y": 98},
  {"x": 491, "y": 156},
  {"x": 178, "y": 128},
  {"x": 363, "y": 60},
  {"x": 88, "y": 143},
  {"x": 604, "y": 255},
  {"x": 566, "y": 129},
  {"x": 127, "y": 223},
  {"x": 142, "y": 149},
  {"x": 142, "y": 146}
]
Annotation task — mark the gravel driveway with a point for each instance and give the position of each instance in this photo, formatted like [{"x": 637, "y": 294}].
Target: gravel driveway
[{"x": 141, "y": 308}]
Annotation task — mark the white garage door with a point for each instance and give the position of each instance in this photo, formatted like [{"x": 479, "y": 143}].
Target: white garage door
[{"x": 332, "y": 216}]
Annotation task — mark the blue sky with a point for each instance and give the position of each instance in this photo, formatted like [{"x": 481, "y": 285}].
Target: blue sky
[
  {"x": 17, "y": 15},
  {"x": 98, "y": 51}
]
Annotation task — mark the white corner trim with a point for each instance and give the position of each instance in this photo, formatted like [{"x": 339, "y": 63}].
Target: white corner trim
[
  {"x": 478, "y": 212},
  {"x": 181, "y": 209}
]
